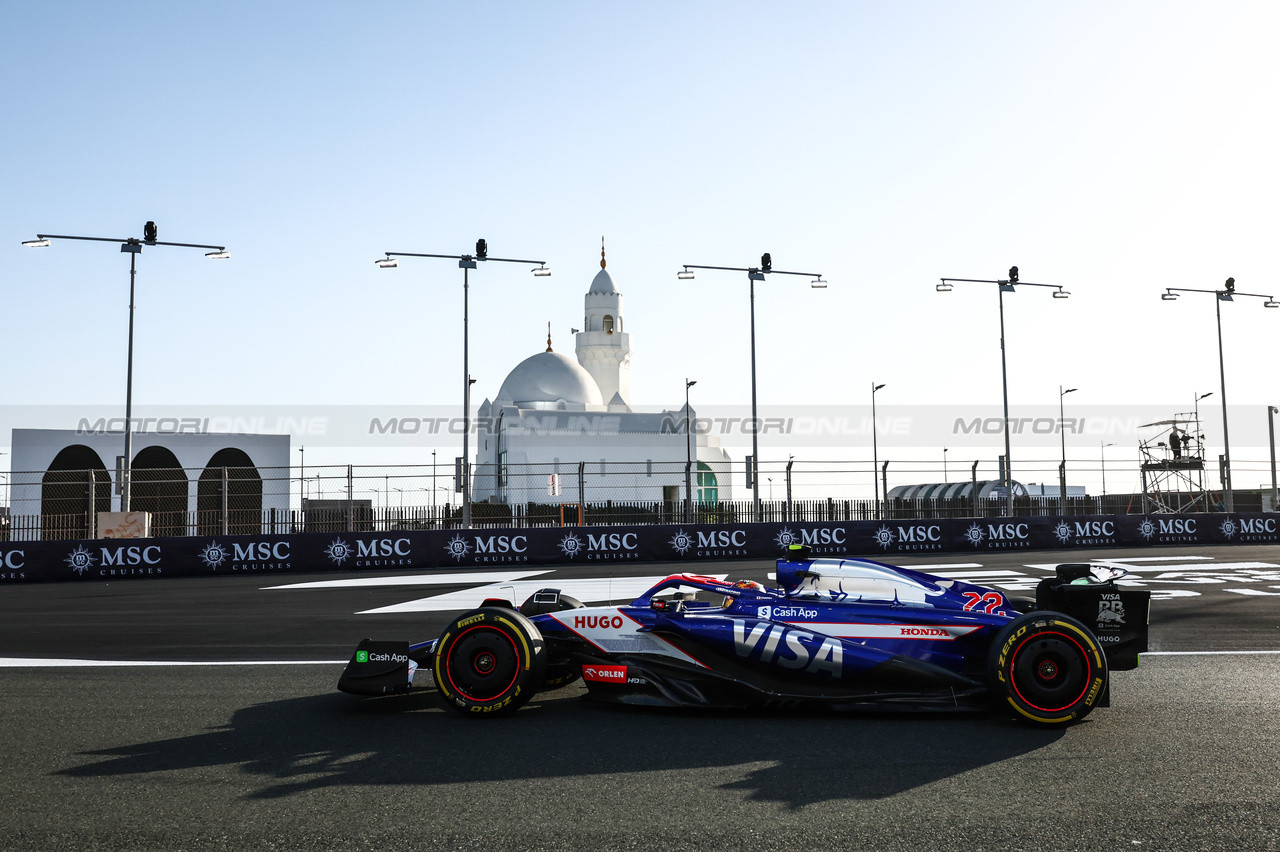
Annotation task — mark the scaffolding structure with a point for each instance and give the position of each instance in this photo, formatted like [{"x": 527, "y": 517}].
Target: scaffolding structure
[{"x": 1172, "y": 465}]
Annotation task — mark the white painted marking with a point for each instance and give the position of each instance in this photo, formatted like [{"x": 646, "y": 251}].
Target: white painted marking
[
  {"x": 930, "y": 569},
  {"x": 587, "y": 590},
  {"x": 959, "y": 575},
  {"x": 1256, "y": 592},
  {"x": 414, "y": 580},
  {"x": 1205, "y": 653},
  {"x": 1152, "y": 558},
  {"x": 35, "y": 663}
]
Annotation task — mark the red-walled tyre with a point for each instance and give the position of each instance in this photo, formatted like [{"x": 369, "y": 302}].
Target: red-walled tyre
[
  {"x": 489, "y": 662},
  {"x": 1047, "y": 668}
]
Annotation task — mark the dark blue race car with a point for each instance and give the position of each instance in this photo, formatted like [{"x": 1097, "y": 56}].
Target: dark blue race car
[{"x": 847, "y": 634}]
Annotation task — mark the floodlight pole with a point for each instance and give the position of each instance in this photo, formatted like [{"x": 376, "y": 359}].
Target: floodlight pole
[
  {"x": 1009, "y": 285},
  {"x": 1271, "y": 433},
  {"x": 1226, "y": 294},
  {"x": 754, "y": 274},
  {"x": 466, "y": 263},
  {"x": 133, "y": 247},
  {"x": 688, "y": 456}
]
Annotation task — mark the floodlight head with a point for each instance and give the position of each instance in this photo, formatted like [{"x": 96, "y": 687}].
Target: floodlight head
[
  {"x": 1169, "y": 297},
  {"x": 1231, "y": 285},
  {"x": 944, "y": 287},
  {"x": 685, "y": 275},
  {"x": 387, "y": 262},
  {"x": 482, "y": 249},
  {"x": 690, "y": 384},
  {"x": 220, "y": 254},
  {"x": 1061, "y": 294},
  {"x": 1271, "y": 303},
  {"x": 542, "y": 271},
  {"x": 1069, "y": 390},
  {"x": 818, "y": 284},
  {"x": 35, "y": 243},
  {"x": 876, "y": 387},
  {"x": 766, "y": 262},
  {"x": 149, "y": 233},
  {"x": 1013, "y": 275}
]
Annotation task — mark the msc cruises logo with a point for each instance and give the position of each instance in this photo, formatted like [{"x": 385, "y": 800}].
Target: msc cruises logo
[
  {"x": 458, "y": 547},
  {"x": 571, "y": 545},
  {"x": 786, "y": 538},
  {"x": 974, "y": 535},
  {"x": 338, "y": 551},
  {"x": 80, "y": 560},
  {"x": 213, "y": 554},
  {"x": 1146, "y": 529},
  {"x": 884, "y": 537},
  {"x": 1063, "y": 531},
  {"x": 1229, "y": 528},
  {"x": 682, "y": 542}
]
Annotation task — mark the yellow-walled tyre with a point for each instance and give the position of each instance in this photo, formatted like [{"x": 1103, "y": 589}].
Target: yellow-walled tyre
[
  {"x": 489, "y": 662},
  {"x": 1047, "y": 668}
]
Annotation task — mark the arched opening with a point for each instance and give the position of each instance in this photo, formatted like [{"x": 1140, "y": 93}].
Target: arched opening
[
  {"x": 608, "y": 324},
  {"x": 160, "y": 487},
  {"x": 74, "y": 488},
  {"x": 243, "y": 494},
  {"x": 708, "y": 491}
]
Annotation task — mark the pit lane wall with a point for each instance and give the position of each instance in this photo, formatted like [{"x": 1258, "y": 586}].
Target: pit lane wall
[{"x": 690, "y": 544}]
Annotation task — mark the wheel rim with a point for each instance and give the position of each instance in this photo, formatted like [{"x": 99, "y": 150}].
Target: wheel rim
[
  {"x": 482, "y": 663},
  {"x": 1051, "y": 671}
]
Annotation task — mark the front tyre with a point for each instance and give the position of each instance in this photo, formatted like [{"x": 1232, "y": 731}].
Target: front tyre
[
  {"x": 1048, "y": 668},
  {"x": 489, "y": 662}
]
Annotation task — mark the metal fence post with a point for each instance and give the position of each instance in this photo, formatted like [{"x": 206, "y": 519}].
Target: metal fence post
[
  {"x": 226, "y": 523},
  {"x": 973, "y": 476},
  {"x": 351, "y": 504},
  {"x": 93, "y": 492},
  {"x": 582, "y": 492}
]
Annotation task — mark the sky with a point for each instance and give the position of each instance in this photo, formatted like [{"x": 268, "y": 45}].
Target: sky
[{"x": 1113, "y": 148}]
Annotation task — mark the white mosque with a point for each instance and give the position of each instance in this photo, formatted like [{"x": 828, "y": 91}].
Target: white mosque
[{"x": 555, "y": 416}]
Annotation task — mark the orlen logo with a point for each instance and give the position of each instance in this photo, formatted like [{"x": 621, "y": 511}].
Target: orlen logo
[
  {"x": 594, "y": 622},
  {"x": 605, "y": 674}
]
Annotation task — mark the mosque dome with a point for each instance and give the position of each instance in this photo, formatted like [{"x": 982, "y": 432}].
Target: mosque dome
[
  {"x": 549, "y": 378},
  {"x": 602, "y": 285}
]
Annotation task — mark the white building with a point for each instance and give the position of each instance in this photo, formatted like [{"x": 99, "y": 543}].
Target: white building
[
  {"x": 59, "y": 475},
  {"x": 554, "y": 417}
]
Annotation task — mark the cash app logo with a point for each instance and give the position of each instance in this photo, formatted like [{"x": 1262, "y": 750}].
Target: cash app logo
[{"x": 362, "y": 656}]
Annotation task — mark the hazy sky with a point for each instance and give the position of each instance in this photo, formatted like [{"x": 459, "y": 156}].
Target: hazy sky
[{"x": 1112, "y": 147}]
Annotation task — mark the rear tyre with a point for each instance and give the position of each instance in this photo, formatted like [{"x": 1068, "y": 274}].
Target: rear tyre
[
  {"x": 489, "y": 662},
  {"x": 1048, "y": 668}
]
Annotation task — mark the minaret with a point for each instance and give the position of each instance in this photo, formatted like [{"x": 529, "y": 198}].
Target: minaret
[{"x": 603, "y": 347}]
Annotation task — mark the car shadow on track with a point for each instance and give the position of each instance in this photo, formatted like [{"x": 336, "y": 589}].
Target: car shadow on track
[{"x": 302, "y": 744}]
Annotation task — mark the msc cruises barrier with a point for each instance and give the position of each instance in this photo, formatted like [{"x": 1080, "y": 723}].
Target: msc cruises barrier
[{"x": 690, "y": 544}]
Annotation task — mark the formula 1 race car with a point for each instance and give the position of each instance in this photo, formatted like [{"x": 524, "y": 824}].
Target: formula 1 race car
[{"x": 845, "y": 634}]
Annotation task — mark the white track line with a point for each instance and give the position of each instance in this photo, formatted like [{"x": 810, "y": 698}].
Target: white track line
[{"x": 476, "y": 577}]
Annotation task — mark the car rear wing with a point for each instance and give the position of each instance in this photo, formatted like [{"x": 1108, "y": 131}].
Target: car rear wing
[{"x": 1118, "y": 617}]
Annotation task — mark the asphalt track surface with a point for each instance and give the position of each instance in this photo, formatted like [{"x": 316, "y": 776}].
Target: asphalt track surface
[{"x": 253, "y": 749}]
